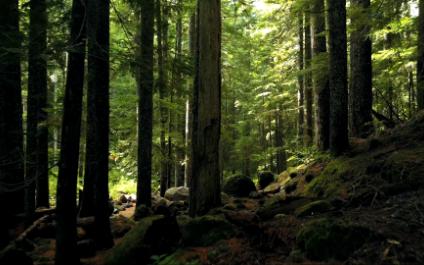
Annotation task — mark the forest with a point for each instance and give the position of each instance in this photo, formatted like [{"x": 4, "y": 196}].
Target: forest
[{"x": 211, "y": 132}]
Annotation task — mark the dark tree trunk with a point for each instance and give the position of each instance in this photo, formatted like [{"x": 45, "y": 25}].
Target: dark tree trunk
[
  {"x": 66, "y": 210},
  {"x": 11, "y": 134},
  {"x": 301, "y": 79},
  {"x": 205, "y": 187},
  {"x": 279, "y": 143},
  {"x": 309, "y": 131},
  {"x": 144, "y": 185},
  {"x": 320, "y": 78},
  {"x": 420, "y": 65},
  {"x": 98, "y": 116},
  {"x": 37, "y": 131},
  {"x": 161, "y": 84},
  {"x": 339, "y": 141},
  {"x": 360, "y": 95},
  {"x": 178, "y": 84}
]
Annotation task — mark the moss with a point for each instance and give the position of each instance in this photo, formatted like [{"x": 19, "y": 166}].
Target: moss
[
  {"x": 330, "y": 182},
  {"x": 313, "y": 208},
  {"x": 151, "y": 236},
  {"x": 206, "y": 230},
  {"x": 180, "y": 257},
  {"x": 324, "y": 239}
]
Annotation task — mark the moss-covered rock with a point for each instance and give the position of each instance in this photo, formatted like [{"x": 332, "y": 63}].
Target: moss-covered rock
[
  {"x": 265, "y": 178},
  {"x": 153, "y": 235},
  {"x": 239, "y": 186},
  {"x": 324, "y": 239},
  {"x": 206, "y": 230},
  {"x": 313, "y": 208}
]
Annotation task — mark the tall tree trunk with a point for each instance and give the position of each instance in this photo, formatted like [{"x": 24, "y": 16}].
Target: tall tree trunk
[
  {"x": 144, "y": 184},
  {"x": 11, "y": 132},
  {"x": 177, "y": 80},
  {"x": 420, "y": 64},
  {"x": 66, "y": 210},
  {"x": 98, "y": 116},
  {"x": 161, "y": 84},
  {"x": 320, "y": 77},
  {"x": 37, "y": 130},
  {"x": 205, "y": 187},
  {"x": 309, "y": 131},
  {"x": 189, "y": 104},
  {"x": 37, "y": 135},
  {"x": 339, "y": 141},
  {"x": 301, "y": 81},
  {"x": 360, "y": 95},
  {"x": 279, "y": 142}
]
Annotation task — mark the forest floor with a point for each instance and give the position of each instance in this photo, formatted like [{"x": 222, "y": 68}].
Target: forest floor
[{"x": 363, "y": 208}]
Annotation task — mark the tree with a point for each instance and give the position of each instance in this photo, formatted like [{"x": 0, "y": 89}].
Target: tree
[
  {"x": 420, "y": 65},
  {"x": 360, "y": 95},
  {"x": 98, "y": 115},
  {"x": 11, "y": 132},
  {"x": 320, "y": 78},
  {"x": 309, "y": 130},
  {"x": 37, "y": 131},
  {"x": 338, "y": 76},
  {"x": 301, "y": 81},
  {"x": 66, "y": 211},
  {"x": 162, "y": 51},
  {"x": 145, "y": 120},
  {"x": 205, "y": 190}
]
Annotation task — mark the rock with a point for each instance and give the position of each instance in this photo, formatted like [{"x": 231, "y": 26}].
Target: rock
[
  {"x": 281, "y": 205},
  {"x": 157, "y": 200},
  {"x": 142, "y": 211},
  {"x": 225, "y": 198},
  {"x": 242, "y": 218},
  {"x": 206, "y": 230},
  {"x": 265, "y": 178},
  {"x": 291, "y": 186},
  {"x": 155, "y": 235},
  {"x": 123, "y": 199},
  {"x": 272, "y": 188},
  {"x": 324, "y": 239},
  {"x": 177, "y": 194},
  {"x": 120, "y": 225},
  {"x": 313, "y": 208},
  {"x": 132, "y": 198},
  {"x": 14, "y": 256},
  {"x": 162, "y": 210},
  {"x": 86, "y": 248},
  {"x": 81, "y": 233},
  {"x": 256, "y": 195},
  {"x": 239, "y": 186},
  {"x": 283, "y": 176}
]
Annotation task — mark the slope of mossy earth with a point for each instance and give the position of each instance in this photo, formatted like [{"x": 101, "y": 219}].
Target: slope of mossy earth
[{"x": 366, "y": 207}]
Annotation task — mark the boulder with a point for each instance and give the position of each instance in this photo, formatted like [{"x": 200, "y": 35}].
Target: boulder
[
  {"x": 272, "y": 188},
  {"x": 14, "y": 256},
  {"x": 205, "y": 230},
  {"x": 177, "y": 194},
  {"x": 120, "y": 225},
  {"x": 155, "y": 235},
  {"x": 324, "y": 239},
  {"x": 239, "y": 186},
  {"x": 86, "y": 248},
  {"x": 313, "y": 208},
  {"x": 123, "y": 199},
  {"x": 142, "y": 211},
  {"x": 265, "y": 178}
]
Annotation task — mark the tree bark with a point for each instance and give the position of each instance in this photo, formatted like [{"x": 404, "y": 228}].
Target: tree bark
[
  {"x": 66, "y": 210},
  {"x": 301, "y": 81},
  {"x": 309, "y": 131},
  {"x": 37, "y": 131},
  {"x": 161, "y": 84},
  {"x": 339, "y": 141},
  {"x": 144, "y": 188},
  {"x": 360, "y": 95},
  {"x": 11, "y": 132},
  {"x": 320, "y": 77},
  {"x": 279, "y": 142},
  {"x": 420, "y": 64},
  {"x": 205, "y": 187},
  {"x": 98, "y": 116}
]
